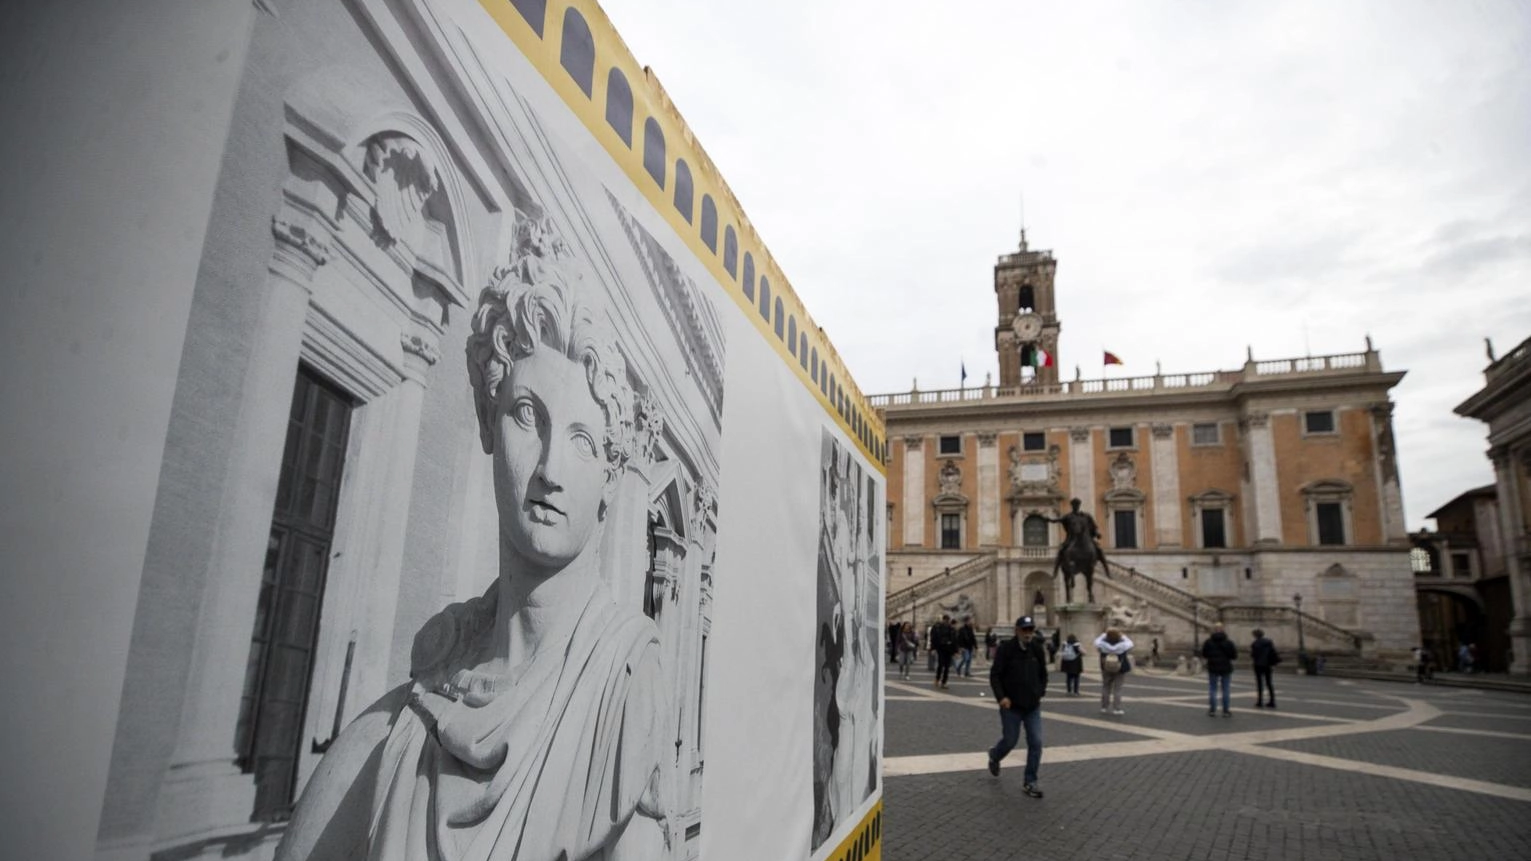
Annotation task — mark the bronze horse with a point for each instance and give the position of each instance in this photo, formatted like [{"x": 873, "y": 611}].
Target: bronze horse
[{"x": 1079, "y": 555}]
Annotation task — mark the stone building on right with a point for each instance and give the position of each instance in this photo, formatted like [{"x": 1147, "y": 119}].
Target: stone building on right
[{"x": 1504, "y": 404}]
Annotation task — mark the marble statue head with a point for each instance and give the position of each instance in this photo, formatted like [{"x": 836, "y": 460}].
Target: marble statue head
[{"x": 554, "y": 405}]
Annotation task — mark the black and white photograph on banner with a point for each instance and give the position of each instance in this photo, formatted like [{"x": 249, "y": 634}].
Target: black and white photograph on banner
[
  {"x": 846, "y": 707},
  {"x": 442, "y": 477}
]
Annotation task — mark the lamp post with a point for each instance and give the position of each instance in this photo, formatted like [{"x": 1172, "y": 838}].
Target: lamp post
[
  {"x": 1302, "y": 649},
  {"x": 1195, "y": 626}
]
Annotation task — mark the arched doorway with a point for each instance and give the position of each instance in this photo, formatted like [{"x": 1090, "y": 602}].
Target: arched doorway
[{"x": 1447, "y": 619}]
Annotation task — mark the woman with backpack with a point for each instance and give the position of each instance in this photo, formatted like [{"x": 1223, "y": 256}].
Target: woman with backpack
[
  {"x": 1073, "y": 664},
  {"x": 1113, "y": 647}
]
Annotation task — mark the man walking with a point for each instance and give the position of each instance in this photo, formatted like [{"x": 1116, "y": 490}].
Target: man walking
[
  {"x": 943, "y": 641},
  {"x": 1019, "y": 680},
  {"x": 967, "y": 641},
  {"x": 1262, "y": 653},
  {"x": 1219, "y": 652}
]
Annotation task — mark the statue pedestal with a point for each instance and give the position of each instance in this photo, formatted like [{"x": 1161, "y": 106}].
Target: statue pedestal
[{"x": 1084, "y": 621}]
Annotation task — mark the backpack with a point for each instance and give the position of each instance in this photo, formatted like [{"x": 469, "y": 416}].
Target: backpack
[
  {"x": 1070, "y": 651},
  {"x": 1110, "y": 663}
]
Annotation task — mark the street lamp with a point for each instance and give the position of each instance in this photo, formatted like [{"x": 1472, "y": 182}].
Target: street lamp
[
  {"x": 1195, "y": 627},
  {"x": 1302, "y": 649}
]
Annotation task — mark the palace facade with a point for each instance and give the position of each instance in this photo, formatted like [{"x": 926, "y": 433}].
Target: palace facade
[{"x": 1266, "y": 495}]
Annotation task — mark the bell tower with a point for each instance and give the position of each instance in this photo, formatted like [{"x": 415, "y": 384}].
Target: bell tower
[{"x": 1026, "y": 336}]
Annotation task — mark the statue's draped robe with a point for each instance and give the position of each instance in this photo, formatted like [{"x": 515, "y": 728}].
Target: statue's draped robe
[{"x": 546, "y": 763}]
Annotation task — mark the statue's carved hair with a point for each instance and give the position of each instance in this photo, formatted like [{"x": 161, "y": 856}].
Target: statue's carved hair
[{"x": 530, "y": 304}]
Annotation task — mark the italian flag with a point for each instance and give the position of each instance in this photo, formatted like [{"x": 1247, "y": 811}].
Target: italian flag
[{"x": 1038, "y": 358}]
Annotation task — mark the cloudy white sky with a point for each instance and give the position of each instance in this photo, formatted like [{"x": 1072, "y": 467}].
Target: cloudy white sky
[{"x": 1289, "y": 177}]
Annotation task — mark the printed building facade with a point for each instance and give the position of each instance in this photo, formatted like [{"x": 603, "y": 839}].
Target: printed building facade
[{"x": 1231, "y": 495}]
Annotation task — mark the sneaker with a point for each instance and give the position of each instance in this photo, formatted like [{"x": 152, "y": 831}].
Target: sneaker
[
  {"x": 1227, "y": 714},
  {"x": 994, "y": 766},
  {"x": 1211, "y": 712},
  {"x": 1032, "y": 790},
  {"x": 1105, "y": 711},
  {"x": 1119, "y": 711}
]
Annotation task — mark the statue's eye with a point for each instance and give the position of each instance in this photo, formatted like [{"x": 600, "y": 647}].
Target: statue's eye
[
  {"x": 524, "y": 412},
  {"x": 584, "y": 444}
]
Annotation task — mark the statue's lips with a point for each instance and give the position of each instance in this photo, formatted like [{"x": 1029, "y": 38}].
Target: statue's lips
[{"x": 543, "y": 511}]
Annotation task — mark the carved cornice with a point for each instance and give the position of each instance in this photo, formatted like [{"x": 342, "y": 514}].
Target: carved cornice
[
  {"x": 1080, "y": 435},
  {"x": 913, "y": 443},
  {"x": 293, "y": 237},
  {"x": 418, "y": 346},
  {"x": 1163, "y": 431},
  {"x": 1254, "y": 420}
]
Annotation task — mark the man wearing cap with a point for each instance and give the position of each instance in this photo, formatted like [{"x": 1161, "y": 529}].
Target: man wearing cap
[{"x": 1019, "y": 679}]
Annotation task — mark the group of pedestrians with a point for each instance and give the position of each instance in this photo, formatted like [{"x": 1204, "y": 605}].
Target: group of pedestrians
[{"x": 1018, "y": 678}]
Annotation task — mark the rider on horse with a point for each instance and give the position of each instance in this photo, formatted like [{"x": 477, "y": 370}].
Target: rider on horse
[{"x": 1079, "y": 526}]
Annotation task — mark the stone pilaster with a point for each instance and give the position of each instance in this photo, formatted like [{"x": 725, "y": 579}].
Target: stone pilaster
[
  {"x": 1385, "y": 464},
  {"x": 1510, "y": 520},
  {"x": 1164, "y": 461},
  {"x": 1264, "y": 491},
  {"x": 202, "y": 783},
  {"x": 988, "y": 490},
  {"x": 1082, "y": 466},
  {"x": 914, "y": 491}
]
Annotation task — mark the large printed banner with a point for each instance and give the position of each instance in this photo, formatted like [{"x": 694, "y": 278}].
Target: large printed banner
[{"x": 513, "y": 506}]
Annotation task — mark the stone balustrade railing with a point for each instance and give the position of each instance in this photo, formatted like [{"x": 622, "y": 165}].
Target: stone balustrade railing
[{"x": 1342, "y": 363}]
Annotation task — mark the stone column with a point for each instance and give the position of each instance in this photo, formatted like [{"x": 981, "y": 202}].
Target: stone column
[
  {"x": 1082, "y": 466},
  {"x": 1265, "y": 493},
  {"x": 1511, "y": 527},
  {"x": 202, "y": 783},
  {"x": 1164, "y": 460},
  {"x": 914, "y": 491},
  {"x": 988, "y": 490}
]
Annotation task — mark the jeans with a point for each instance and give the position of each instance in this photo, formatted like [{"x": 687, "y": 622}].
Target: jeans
[
  {"x": 1264, "y": 683},
  {"x": 965, "y": 663},
  {"x": 904, "y": 659},
  {"x": 1071, "y": 682},
  {"x": 1213, "y": 680},
  {"x": 1111, "y": 690},
  {"x": 943, "y": 666},
  {"x": 1010, "y": 722}
]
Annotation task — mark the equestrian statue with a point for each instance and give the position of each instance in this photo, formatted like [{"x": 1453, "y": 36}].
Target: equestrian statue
[{"x": 1080, "y": 551}]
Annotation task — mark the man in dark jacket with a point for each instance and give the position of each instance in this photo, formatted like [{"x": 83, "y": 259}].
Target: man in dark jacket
[
  {"x": 1218, "y": 651},
  {"x": 1262, "y": 653},
  {"x": 943, "y": 641},
  {"x": 1019, "y": 679},
  {"x": 967, "y": 641}
]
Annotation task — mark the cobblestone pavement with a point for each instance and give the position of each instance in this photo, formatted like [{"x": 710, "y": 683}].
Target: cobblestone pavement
[{"x": 1348, "y": 769}]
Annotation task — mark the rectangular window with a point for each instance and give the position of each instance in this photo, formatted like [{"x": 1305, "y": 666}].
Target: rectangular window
[
  {"x": 951, "y": 531},
  {"x": 1033, "y": 441},
  {"x": 950, "y": 445},
  {"x": 1205, "y": 434},
  {"x": 1213, "y": 531},
  {"x": 1331, "y": 523},
  {"x": 1125, "y": 525},
  {"x": 1461, "y": 565},
  {"x": 268, "y": 735},
  {"x": 1120, "y": 438},
  {"x": 1318, "y": 421}
]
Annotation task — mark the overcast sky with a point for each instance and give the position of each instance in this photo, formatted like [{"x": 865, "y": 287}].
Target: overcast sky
[{"x": 1210, "y": 176}]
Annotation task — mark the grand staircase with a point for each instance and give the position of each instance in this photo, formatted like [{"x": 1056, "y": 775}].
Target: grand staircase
[{"x": 1170, "y": 609}]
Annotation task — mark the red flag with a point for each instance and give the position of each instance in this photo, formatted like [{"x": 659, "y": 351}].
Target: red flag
[{"x": 1111, "y": 358}]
